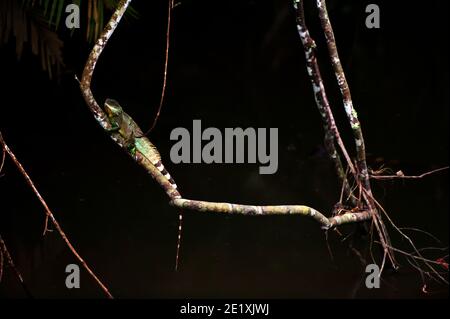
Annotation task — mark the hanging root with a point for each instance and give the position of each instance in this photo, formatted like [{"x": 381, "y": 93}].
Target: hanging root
[{"x": 416, "y": 254}]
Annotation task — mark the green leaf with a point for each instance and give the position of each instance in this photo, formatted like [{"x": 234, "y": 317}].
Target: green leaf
[
  {"x": 52, "y": 12},
  {"x": 47, "y": 2},
  {"x": 101, "y": 10},
  {"x": 59, "y": 13}
]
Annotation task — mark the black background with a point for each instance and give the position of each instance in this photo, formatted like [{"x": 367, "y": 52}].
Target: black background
[{"x": 232, "y": 63}]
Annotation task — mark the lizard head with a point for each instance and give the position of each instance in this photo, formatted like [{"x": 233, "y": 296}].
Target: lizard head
[{"x": 112, "y": 108}]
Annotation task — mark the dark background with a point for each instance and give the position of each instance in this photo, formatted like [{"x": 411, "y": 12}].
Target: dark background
[{"x": 232, "y": 63}]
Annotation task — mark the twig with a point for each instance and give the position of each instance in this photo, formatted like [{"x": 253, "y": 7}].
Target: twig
[
  {"x": 424, "y": 260},
  {"x": 46, "y": 229},
  {"x": 401, "y": 176},
  {"x": 4, "y": 252},
  {"x": 50, "y": 215},
  {"x": 3, "y": 160},
  {"x": 421, "y": 231},
  {"x": 409, "y": 240},
  {"x": 169, "y": 14}
]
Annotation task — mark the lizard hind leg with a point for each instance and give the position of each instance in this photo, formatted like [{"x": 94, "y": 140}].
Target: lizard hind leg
[{"x": 131, "y": 148}]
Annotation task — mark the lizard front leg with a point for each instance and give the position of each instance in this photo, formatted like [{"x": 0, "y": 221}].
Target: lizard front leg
[{"x": 114, "y": 128}]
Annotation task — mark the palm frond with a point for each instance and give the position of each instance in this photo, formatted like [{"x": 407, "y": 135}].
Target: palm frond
[
  {"x": 30, "y": 26},
  {"x": 94, "y": 13},
  {"x": 36, "y": 22}
]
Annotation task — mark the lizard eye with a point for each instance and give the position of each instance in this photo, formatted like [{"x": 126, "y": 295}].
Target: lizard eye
[{"x": 112, "y": 107}]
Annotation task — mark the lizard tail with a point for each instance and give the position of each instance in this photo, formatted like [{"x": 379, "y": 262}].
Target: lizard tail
[{"x": 180, "y": 227}]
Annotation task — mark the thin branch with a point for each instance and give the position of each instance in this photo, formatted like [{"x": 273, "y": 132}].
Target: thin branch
[
  {"x": 4, "y": 252},
  {"x": 50, "y": 215},
  {"x": 377, "y": 221},
  {"x": 409, "y": 240},
  {"x": 424, "y": 260},
  {"x": 421, "y": 231},
  {"x": 3, "y": 160},
  {"x": 401, "y": 176},
  {"x": 169, "y": 14},
  {"x": 434, "y": 248},
  {"x": 46, "y": 229}
]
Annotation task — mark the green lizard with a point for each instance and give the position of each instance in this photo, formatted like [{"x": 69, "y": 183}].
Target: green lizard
[{"x": 136, "y": 142}]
